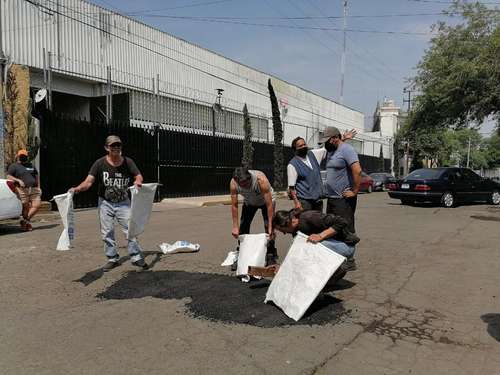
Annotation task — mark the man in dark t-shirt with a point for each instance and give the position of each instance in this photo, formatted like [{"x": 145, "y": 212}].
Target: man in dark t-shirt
[{"x": 114, "y": 174}]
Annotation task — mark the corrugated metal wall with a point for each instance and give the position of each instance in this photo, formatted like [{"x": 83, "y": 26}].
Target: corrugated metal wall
[{"x": 83, "y": 39}]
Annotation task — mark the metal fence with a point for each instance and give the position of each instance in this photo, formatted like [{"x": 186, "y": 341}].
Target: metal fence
[{"x": 186, "y": 163}]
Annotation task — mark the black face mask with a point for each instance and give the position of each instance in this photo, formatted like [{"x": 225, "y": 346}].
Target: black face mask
[
  {"x": 302, "y": 152},
  {"x": 330, "y": 147},
  {"x": 23, "y": 159}
]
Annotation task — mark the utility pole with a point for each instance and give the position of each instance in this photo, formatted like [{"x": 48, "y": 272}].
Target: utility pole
[
  {"x": 407, "y": 90},
  {"x": 342, "y": 63}
]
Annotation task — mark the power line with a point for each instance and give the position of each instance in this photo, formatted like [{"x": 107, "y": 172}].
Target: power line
[
  {"x": 299, "y": 18},
  {"x": 234, "y": 22},
  {"x": 139, "y": 12},
  {"x": 351, "y": 49},
  {"x": 451, "y": 2},
  {"x": 174, "y": 50},
  {"x": 186, "y": 64},
  {"x": 323, "y": 44}
]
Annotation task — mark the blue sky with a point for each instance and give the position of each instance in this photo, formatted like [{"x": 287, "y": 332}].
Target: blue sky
[{"x": 378, "y": 64}]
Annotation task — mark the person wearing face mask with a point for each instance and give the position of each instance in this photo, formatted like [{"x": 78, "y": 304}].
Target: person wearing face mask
[
  {"x": 258, "y": 194},
  {"x": 343, "y": 176},
  {"x": 114, "y": 174},
  {"x": 25, "y": 175},
  {"x": 305, "y": 186}
]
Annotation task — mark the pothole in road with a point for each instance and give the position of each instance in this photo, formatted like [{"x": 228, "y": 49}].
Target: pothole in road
[
  {"x": 221, "y": 298},
  {"x": 485, "y": 218}
]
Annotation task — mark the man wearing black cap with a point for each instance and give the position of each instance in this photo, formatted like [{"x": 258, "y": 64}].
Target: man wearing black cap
[
  {"x": 114, "y": 174},
  {"x": 343, "y": 176}
]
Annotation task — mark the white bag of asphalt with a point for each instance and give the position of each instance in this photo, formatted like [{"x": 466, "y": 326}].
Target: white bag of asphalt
[
  {"x": 253, "y": 249},
  {"x": 179, "y": 247},
  {"x": 303, "y": 274},
  {"x": 64, "y": 204},
  {"x": 140, "y": 208}
]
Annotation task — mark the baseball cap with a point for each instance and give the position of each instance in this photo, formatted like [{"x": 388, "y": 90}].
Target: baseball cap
[
  {"x": 329, "y": 132},
  {"x": 112, "y": 139},
  {"x": 22, "y": 152}
]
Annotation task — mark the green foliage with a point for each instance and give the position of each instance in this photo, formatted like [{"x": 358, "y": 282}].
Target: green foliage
[
  {"x": 247, "y": 141},
  {"x": 278, "y": 138},
  {"x": 448, "y": 147},
  {"x": 460, "y": 73}
]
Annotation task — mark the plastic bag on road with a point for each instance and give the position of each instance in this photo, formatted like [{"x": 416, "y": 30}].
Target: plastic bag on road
[
  {"x": 140, "y": 208},
  {"x": 179, "y": 247},
  {"x": 253, "y": 249},
  {"x": 232, "y": 257},
  {"x": 303, "y": 274},
  {"x": 64, "y": 204}
]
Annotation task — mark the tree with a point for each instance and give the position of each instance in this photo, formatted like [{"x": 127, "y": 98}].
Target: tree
[
  {"x": 247, "y": 141},
  {"x": 493, "y": 151},
  {"x": 459, "y": 75},
  {"x": 278, "y": 137}
]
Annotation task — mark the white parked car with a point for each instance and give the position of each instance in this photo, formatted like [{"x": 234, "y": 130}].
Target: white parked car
[{"x": 10, "y": 205}]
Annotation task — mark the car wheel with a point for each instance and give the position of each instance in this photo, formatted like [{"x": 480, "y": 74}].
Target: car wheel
[
  {"x": 495, "y": 197},
  {"x": 406, "y": 202},
  {"x": 448, "y": 200},
  {"x": 370, "y": 189}
]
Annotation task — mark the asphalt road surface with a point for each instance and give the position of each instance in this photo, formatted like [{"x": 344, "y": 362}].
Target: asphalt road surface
[{"x": 425, "y": 299}]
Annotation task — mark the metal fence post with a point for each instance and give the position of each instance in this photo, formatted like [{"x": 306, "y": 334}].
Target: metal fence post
[
  {"x": 49, "y": 81},
  {"x": 156, "y": 91},
  {"x": 109, "y": 99}
]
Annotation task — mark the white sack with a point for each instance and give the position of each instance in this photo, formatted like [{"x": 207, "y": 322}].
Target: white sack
[
  {"x": 303, "y": 274},
  {"x": 179, "y": 247},
  {"x": 140, "y": 208},
  {"x": 232, "y": 257},
  {"x": 65, "y": 207},
  {"x": 253, "y": 249}
]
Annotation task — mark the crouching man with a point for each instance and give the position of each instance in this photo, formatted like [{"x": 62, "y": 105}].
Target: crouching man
[
  {"x": 330, "y": 230},
  {"x": 114, "y": 174}
]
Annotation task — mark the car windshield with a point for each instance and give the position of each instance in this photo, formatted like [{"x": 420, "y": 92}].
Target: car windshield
[{"x": 425, "y": 174}]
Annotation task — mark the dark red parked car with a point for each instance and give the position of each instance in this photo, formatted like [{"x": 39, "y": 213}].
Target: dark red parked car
[{"x": 367, "y": 183}]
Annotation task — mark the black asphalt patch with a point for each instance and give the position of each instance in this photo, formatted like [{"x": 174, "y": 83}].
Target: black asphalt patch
[{"x": 221, "y": 298}]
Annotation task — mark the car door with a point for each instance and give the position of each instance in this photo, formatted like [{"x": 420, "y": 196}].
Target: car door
[
  {"x": 474, "y": 186},
  {"x": 459, "y": 185}
]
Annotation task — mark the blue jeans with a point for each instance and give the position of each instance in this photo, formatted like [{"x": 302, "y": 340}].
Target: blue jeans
[
  {"x": 339, "y": 247},
  {"x": 108, "y": 213}
]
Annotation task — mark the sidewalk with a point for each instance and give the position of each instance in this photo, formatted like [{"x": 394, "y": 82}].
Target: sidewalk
[{"x": 211, "y": 200}]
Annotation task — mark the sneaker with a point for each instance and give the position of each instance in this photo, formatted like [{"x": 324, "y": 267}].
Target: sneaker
[
  {"x": 22, "y": 223},
  {"x": 109, "y": 266},
  {"x": 141, "y": 264},
  {"x": 234, "y": 266},
  {"x": 271, "y": 259}
]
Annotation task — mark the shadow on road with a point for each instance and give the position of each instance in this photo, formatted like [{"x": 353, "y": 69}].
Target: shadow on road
[
  {"x": 96, "y": 274},
  {"x": 493, "y": 321},
  {"x": 220, "y": 298},
  {"x": 15, "y": 228}
]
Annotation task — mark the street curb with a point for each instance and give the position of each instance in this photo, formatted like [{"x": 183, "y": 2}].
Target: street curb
[{"x": 279, "y": 195}]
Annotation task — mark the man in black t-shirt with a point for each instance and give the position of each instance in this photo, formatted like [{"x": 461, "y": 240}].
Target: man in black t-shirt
[
  {"x": 25, "y": 176},
  {"x": 114, "y": 174}
]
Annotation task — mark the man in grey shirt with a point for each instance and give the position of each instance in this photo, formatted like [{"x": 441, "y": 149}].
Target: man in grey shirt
[{"x": 343, "y": 176}]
